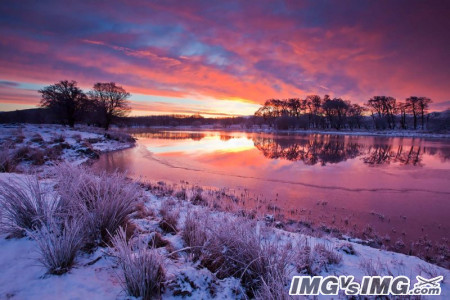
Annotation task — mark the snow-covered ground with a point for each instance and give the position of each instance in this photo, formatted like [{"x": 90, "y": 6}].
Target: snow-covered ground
[
  {"x": 38, "y": 146},
  {"x": 97, "y": 276}
]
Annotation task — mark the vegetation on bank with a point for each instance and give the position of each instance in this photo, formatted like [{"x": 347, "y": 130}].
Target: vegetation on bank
[
  {"x": 315, "y": 112},
  {"x": 29, "y": 146},
  {"x": 154, "y": 242},
  {"x": 84, "y": 211}
]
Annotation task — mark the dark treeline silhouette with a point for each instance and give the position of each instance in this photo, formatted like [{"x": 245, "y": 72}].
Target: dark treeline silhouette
[
  {"x": 100, "y": 106},
  {"x": 181, "y": 120},
  {"x": 108, "y": 103},
  {"x": 379, "y": 112},
  {"x": 33, "y": 116}
]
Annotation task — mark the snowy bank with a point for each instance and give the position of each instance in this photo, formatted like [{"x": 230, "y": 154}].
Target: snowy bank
[
  {"x": 27, "y": 146},
  {"x": 176, "y": 226}
]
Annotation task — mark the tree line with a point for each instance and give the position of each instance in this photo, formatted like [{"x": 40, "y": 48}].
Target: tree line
[
  {"x": 105, "y": 102},
  {"x": 324, "y": 113}
]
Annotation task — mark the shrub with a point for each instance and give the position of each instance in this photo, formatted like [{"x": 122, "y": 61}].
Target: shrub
[
  {"x": 142, "y": 268},
  {"x": 120, "y": 137},
  {"x": 59, "y": 139},
  {"x": 36, "y": 156},
  {"x": 7, "y": 161},
  {"x": 22, "y": 153},
  {"x": 24, "y": 205},
  {"x": 59, "y": 243},
  {"x": 37, "y": 138}
]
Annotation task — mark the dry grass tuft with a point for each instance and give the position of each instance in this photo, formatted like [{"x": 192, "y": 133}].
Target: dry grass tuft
[
  {"x": 169, "y": 222},
  {"x": 142, "y": 268},
  {"x": 59, "y": 243},
  {"x": 106, "y": 200},
  {"x": 24, "y": 205}
]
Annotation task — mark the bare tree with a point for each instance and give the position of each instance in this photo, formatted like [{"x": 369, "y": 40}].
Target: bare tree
[
  {"x": 403, "y": 108},
  {"x": 65, "y": 99},
  {"x": 384, "y": 107},
  {"x": 424, "y": 103},
  {"x": 111, "y": 101},
  {"x": 413, "y": 106}
]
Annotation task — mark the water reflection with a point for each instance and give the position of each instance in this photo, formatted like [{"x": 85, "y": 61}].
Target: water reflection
[
  {"x": 311, "y": 151},
  {"x": 324, "y": 150},
  {"x": 404, "y": 180}
]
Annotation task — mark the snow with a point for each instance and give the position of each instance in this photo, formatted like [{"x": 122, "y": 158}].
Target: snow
[
  {"x": 78, "y": 144},
  {"x": 22, "y": 278}
]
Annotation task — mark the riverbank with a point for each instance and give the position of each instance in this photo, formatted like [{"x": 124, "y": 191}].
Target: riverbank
[
  {"x": 187, "y": 234},
  {"x": 257, "y": 129},
  {"x": 28, "y": 147}
]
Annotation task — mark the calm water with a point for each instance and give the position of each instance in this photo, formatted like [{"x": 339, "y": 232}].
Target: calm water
[{"x": 398, "y": 187}]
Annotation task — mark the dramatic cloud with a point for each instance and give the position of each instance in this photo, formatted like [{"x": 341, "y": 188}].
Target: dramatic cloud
[{"x": 212, "y": 56}]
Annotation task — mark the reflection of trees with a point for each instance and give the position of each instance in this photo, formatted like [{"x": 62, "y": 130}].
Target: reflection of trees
[
  {"x": 323, "y": 150},
  {"x": 385, "y": 154},
  {"x": 316, "y": 149},
  {"x": 171, "y": 135}
]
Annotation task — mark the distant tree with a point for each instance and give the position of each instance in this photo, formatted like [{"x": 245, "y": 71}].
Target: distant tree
[
  {"x": 65, "y": 99},
  {"x": 294, "y": 105},
  {"x": 355, "y": 113},
  {"x": 413, "y": 107},
  {"x": 111, "y": 101},
  {"x": 314, "y": 103},
  {"x": 383, "y": 110},
  {"x": 424, "y": 103},
  {"x": 336, "y": 111},
  {"x": 403, "y": 108}
]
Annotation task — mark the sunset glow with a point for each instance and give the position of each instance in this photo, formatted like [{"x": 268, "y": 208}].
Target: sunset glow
[{"x": 226, "y": 58}]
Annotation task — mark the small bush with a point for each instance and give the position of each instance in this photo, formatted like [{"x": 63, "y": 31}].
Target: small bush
[
  {"x": 37, "y": 138},
  {"x": 59, "y": 243},
  {"x": 142, "y": 268},
  {"x": 24, "y": 205},
  {"x": 120, "y": 137},
  {"x": 37, "y": 156},
  {"x": 22, "y": 153},
  {"x": 7, "y": 162},
  {"x": 59, "y": 139}
]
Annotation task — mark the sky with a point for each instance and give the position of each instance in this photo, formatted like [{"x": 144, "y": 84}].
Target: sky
[{"x": 221, "y": 58}]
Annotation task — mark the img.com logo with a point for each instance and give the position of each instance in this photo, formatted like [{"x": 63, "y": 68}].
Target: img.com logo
[{"x": 370, "y": 285}]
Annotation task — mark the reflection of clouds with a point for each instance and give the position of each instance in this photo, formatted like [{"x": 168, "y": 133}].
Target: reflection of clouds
[
  {"x": 197, "y": 143},
  {"x": 171, "y": 135}
]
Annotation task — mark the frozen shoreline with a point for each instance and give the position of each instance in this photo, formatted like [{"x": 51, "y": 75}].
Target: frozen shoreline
[
  {"x": 23, "y": 278},
  {"x": 237, "y": 128}
]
